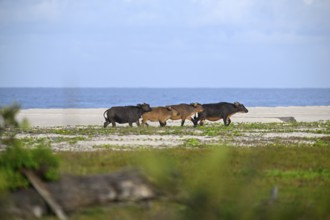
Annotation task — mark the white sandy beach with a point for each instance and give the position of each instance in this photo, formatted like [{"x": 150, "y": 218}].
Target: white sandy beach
[
  {"x": 94, "y": 117},
  {"x": 72, "y": 117}
]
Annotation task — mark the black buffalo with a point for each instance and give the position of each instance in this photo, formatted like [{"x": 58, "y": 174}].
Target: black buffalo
[
  {"x": 217, "y": 111},
  {"x": 125, "y": 114}
]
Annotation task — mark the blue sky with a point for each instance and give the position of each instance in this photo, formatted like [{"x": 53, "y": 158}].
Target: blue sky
[{"x": 165, "y": 43}]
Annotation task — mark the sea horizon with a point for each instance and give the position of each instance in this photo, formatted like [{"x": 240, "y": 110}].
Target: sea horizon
[
  {"x": 94, "y": 97},
  {"x": 146, "y": 87}
]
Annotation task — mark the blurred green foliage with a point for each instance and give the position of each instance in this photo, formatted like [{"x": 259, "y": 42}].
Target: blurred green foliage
[
  {"x": 218, "y": 182},
  {"x": 275, "y": 181},
  {"x": 16, "y": 157},
  {"x": 40, "y": 159}
]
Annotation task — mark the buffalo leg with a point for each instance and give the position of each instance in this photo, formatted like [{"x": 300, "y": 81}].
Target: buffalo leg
[
  {"x": 144, "y": 122},
  {"x": 182, "y": 122},
  {"x": 130, "y": 124},
  {"x": 201, "y": 123},
  {"x": 195, "y": 121},
  {"x": 113, "y": 124},
  {"x": 106, "y": 124},
  {"x": 138, "y": 123},
  {"x": 226, "y": 120},
  {"x": 162, "y": 123}
]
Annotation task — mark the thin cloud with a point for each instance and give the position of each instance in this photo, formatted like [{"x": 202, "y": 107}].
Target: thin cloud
[
  {"x": 170, "y": 37},
  {"x": 29, "y": 11}
]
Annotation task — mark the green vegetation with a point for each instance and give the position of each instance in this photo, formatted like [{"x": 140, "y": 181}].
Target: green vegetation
[
  {"x": 192, "y": 142},
  {"x": 32, "y": 141},
  {"x": 16, "y": 157},
  {"x": 213, "y": 129},
  {"x": 240, "y": 134},
  {"x": 322, "y": 142},
  {"x": 218, "y": 182},
  {"x": 275, "y": 175}
]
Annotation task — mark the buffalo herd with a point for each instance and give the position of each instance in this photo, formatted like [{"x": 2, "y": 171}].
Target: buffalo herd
[{"x": 195, "y": 112}]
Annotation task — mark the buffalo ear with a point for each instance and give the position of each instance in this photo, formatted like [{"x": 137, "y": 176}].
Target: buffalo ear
[
  {"x": 236, "y": 104},
  {"x": 194, "y": 104},
  {"x": 169, "y": 108},
  {"x": 139, "y": 105}
]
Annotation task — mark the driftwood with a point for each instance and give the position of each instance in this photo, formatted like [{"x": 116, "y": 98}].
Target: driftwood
[
  {"x": 43, "y": 191},
  {"x": 76, "y": 192}
]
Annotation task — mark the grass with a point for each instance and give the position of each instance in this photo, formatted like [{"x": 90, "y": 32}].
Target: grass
[
  {"x": 192, "y": 142},
  {"x": 31, "y": 141},
  {"x": 199, "y": 182},
  {"x": 215, "y": 180},
  {"x": 241, "y": 134},
  {"x": 322, "y": 142},
  {"x": 213, "y": 129}
]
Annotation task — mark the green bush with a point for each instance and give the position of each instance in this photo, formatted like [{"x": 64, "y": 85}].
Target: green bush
[{"x": 15, "y": 158}]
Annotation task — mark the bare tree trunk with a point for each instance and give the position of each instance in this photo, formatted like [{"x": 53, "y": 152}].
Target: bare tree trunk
[{"x": 41, "y": 188}]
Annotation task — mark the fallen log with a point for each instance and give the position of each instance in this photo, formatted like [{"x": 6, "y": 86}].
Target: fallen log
[
  {"x": 75, "y": 192},
  {"x": 41, "y": 188}
]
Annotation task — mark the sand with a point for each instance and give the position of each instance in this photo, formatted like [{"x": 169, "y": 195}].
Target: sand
[
  {"x": 94, "y": 117},
  {"x": 73, "y": 117}
]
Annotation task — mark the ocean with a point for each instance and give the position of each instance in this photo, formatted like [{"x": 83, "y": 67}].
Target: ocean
[{"x": 107, "y": 97}]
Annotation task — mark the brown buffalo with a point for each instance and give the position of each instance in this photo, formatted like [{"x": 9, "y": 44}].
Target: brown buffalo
[
  {"x": 160, "y": 114},
  {"x": 186, "y": 111}
]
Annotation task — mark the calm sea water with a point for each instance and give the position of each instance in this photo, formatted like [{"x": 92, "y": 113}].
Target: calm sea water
[{"x": 107, "y": 97}]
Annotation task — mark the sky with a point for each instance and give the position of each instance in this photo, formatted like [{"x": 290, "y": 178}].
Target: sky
[{"x": 165, "y": 43}]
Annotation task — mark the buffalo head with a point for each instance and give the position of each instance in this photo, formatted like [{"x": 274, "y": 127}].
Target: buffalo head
[
  {"x": 241, "y": 107},
  {"x": 174, "y": 113},
  {"x": 199, "y": 107},
  {"x": 145, "y": 107}
]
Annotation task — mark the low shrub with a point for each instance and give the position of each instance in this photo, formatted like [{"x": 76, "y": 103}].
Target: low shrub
[{"x": 16, "y": 157}]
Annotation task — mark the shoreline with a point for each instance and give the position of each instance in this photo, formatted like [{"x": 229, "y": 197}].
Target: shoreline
[{"x": 53, "y": 117}]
